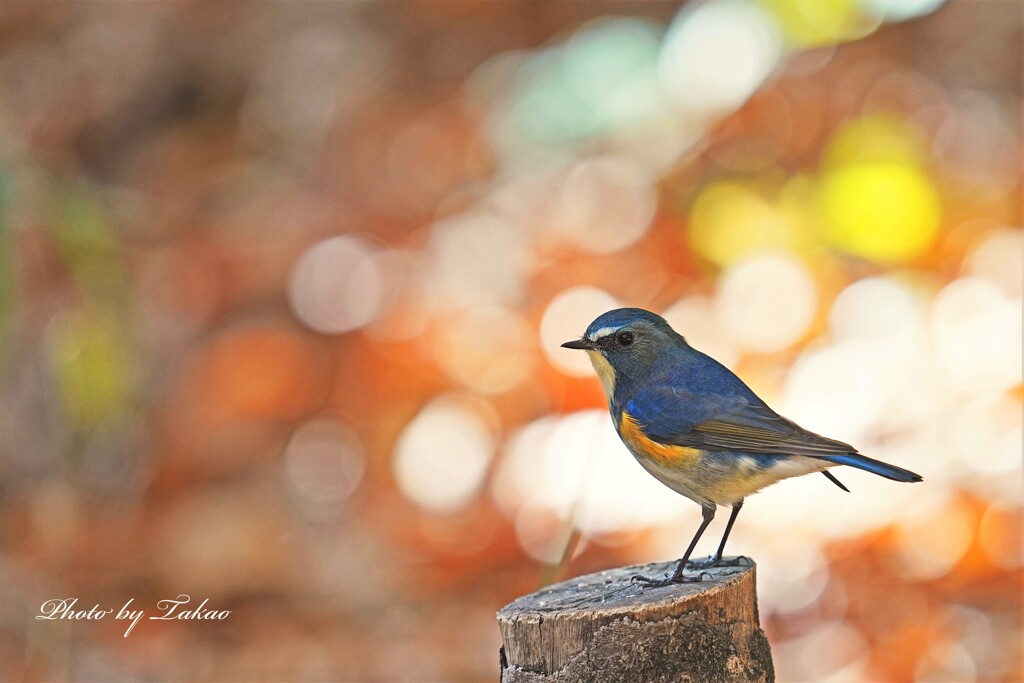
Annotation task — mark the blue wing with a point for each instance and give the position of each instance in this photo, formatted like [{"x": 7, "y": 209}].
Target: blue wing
[{"x": 702, "y": 404}]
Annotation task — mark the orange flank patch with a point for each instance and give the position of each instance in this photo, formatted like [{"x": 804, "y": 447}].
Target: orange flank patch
[{"x": 640, "y": 444}]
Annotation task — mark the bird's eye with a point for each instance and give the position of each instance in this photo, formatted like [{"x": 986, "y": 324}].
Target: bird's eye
[{"x": 625, "y": 338}]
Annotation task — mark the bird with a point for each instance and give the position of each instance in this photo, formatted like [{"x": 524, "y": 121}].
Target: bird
[{"x": 698, "y": 428}]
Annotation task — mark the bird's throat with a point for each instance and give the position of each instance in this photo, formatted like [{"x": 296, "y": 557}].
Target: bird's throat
[{"x": 604, "y": 371}]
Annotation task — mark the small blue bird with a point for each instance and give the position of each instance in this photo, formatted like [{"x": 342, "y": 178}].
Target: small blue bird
[{"x": 697, "y": 428}]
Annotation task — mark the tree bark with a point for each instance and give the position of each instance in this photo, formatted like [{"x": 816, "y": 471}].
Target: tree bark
[{"x": 604, "y": 627}]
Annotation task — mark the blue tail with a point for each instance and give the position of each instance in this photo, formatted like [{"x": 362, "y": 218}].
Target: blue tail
[{"x": 863, "y": 462}]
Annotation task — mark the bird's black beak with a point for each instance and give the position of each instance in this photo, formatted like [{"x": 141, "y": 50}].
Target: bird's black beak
[{"x": 578, "y": 344}]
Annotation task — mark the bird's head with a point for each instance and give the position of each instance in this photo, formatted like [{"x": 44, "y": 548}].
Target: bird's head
[{"x": 625, "y": 342}]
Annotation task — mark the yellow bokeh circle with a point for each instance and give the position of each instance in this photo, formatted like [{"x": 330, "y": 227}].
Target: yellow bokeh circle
[{"x": 887, "y": 212}]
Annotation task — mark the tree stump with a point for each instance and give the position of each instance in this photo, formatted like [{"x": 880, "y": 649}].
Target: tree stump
[{"x": 604, "y": 627}]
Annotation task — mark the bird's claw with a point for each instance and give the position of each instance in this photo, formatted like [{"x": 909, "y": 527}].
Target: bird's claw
[
  {"x": 709, "y": 562},
  {"x": 668, "y": 580}
]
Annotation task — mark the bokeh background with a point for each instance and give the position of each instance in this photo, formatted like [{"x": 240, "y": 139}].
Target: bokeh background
[{"x": 282, "y": 288}]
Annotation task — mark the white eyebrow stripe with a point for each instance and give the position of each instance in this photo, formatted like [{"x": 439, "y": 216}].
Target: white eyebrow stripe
[{"x": 601, "y": 333}]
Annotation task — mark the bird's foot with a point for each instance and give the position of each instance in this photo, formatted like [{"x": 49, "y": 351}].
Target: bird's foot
[
  {"x": 712, "y": 561},
  {"x": 668, "y": 580}
]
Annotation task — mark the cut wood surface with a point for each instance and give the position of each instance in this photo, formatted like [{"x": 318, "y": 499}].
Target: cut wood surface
[{"x": 605, "y": 627}]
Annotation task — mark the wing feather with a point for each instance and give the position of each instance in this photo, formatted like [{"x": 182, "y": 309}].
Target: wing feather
[
  {"x": 784, "y": 437},
  {"x": 740, "y": 422}
]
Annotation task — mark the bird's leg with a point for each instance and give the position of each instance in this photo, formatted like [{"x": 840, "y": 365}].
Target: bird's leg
[
  {"x": 677, "y": 576},
  {"x": 717, "y": 560},
  {"x": 728, "y": 528}
]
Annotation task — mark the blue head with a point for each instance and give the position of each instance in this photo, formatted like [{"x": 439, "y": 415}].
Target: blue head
[{"x": 625, "y": 343}]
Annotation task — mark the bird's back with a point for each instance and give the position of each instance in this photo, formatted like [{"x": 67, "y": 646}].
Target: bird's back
[{"x": 685, "y": 386}]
